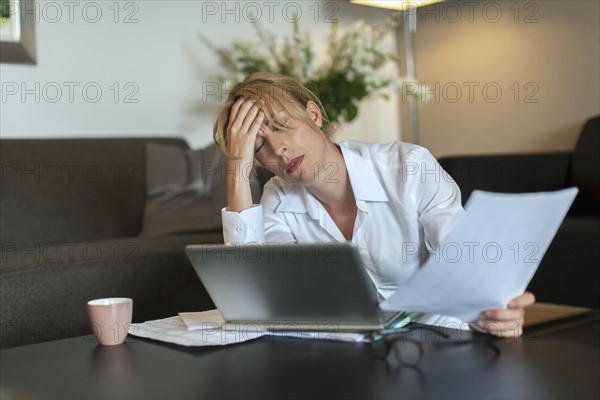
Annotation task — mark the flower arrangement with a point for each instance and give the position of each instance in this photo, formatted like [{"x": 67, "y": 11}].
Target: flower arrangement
[{"x": 352, "y": 70}]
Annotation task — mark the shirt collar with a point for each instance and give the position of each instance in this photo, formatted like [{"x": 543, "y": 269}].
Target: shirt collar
[
  {"x": 364, "y": 181},
  {"x": 298, "y": 199},
  {"x": 365, "y": 184}
]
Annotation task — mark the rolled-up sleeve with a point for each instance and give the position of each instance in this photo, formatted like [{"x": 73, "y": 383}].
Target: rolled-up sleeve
[{"x": 243, "y": 227}]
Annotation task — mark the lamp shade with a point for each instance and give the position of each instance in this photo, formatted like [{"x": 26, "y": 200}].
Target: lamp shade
[{"x": 395, "y": 4}]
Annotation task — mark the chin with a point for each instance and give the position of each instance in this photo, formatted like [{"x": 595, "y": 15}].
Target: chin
[{"x": 299, "y": 176}]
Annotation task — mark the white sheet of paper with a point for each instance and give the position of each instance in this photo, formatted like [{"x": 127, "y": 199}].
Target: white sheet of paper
[
  {"x": 489, "y": 258},
  {"x": 174, "y": 330}
]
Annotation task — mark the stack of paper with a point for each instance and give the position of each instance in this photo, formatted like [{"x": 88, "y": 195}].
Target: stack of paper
[
  {"x": 208, "y": 329},
  {"x": 489, "y": 258}
]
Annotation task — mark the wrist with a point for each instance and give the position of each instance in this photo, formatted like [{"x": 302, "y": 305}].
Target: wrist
[
  {"x": 239, "y": 195},
  {"x": 239, "y": 167}
]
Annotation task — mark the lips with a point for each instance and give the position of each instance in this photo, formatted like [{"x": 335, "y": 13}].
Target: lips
[{"x": 294, "y": 164}]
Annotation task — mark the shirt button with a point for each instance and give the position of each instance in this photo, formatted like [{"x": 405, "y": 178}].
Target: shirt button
[
  {"x": 238, "y": 229},
  {"x": 251, "y": 226}
]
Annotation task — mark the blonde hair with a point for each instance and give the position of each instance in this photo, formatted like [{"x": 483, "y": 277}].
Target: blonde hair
[{"x": 272, "y": 92}]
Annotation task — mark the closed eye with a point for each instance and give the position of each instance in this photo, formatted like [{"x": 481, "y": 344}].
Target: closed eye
[{"x": 260, "y": 145}]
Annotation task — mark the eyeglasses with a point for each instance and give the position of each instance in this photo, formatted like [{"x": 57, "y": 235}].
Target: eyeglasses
[{"x": 401, "y": 348}]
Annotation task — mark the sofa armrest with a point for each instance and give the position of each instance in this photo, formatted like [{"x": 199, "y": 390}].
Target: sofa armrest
[{"x": 511, "y": 173}]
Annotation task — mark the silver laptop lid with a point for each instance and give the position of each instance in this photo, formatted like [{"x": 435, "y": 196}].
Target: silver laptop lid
[{"x": 299, "y": 283}]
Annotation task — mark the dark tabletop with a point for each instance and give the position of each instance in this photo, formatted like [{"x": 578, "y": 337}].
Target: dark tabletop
[{"x": 557, "y": 360}]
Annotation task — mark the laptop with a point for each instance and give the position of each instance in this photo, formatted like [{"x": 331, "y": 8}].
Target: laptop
[{"x": 300, "y": 287}]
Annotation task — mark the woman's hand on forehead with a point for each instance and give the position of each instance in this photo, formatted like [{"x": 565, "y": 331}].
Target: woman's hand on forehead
[{"x": 245, "y": 120}]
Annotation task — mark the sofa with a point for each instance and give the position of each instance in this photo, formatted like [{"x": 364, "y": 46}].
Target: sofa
[
  {"x": 75, "y": 225},
  {"x": 569, "y": 272},
  {"x": 72, "y": 220}
]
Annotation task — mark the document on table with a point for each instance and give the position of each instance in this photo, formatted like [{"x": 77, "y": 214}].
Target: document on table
[
  {"x": 489, "y": 258},
  {"x": 207, "y": 328},
  {"x": 174, "y": 330}
]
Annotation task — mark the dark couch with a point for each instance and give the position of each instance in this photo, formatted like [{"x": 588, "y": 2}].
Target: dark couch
[
  {"x": 71, "y": 213},
  {"x": 569, "y": 273}
]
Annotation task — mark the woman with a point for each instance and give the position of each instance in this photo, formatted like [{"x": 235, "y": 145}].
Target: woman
[{"x": 380, "y": 197}]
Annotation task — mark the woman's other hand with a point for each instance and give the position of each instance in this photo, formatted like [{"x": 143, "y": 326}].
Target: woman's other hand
[{"x": 507, "y": 322}]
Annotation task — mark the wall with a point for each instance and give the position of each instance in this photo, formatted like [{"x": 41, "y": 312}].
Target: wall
[
  {"x": 152, "y": 69},
  {"x": 549, "y": 48},
  {"x": 543, "y": 56}
]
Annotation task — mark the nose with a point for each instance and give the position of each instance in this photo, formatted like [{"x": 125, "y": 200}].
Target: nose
[{"x": 278, "y": 145}]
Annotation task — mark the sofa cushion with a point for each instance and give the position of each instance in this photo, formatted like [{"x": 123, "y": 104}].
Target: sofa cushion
[
  {"x": 61, "y": 190},
  {"x": 569, "y": 272},
  {"x": 45, "y": 298},
  {"x": 510, "y": 173},
  {"x": 585, "y": 170},
  {"x": 186, "y": 189}
]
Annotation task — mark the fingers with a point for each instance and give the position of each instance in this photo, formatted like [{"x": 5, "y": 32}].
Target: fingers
[
  {"x": 242, "y": 115},
  {"x": 505, "y": 314},
  {"x": 503, "y": 323},
  {"x": 257, "y": 123},
  {"x": 502, "y": 328},
  {"x": 234, "y": 110},
  {"x": 245, "y": 121},
  {"x": 249, "y": 118},
  {"x": 522, "y": 301},
  {"x": 508, "y": 322}
]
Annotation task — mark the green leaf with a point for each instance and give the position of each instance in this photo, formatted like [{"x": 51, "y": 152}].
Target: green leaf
[
  {"x": 4, "y": 8},
  {"x": 351, "y": 112}
]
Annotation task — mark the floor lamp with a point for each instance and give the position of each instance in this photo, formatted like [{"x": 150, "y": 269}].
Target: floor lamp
[{"x": 407, "y": 34}]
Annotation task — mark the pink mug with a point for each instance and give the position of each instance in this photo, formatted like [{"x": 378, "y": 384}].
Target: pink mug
[{"x": 110, "y": 319}]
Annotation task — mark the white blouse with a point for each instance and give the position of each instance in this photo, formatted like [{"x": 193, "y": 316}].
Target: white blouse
[{"x": 406, "y": 205}]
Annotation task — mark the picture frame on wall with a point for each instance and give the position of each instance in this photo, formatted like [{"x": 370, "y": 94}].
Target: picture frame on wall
[{"x": 17, "y": 32}]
